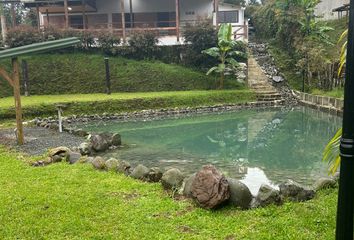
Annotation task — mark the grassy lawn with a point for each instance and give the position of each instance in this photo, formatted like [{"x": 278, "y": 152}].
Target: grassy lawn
[
  {"x": 76, "y": 202},
  {"x": 337, "y": 93},
  {"x": 122, "y": 102}
]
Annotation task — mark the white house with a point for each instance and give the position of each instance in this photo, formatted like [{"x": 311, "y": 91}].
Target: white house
[
  {"x": 331, "y": 9},
  {"x": 167, "y": 18}
]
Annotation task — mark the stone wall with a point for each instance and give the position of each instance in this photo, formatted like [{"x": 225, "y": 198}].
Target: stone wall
[{"x": 327, "y": 104}]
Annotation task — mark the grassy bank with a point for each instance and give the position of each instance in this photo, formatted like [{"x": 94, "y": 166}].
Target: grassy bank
[
  {"x": 121, "y": 102},
  {"x": 85, "y": 73},
  {"x": 76, "y": 202}
]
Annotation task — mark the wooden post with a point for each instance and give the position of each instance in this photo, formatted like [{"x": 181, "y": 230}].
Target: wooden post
[
  {"x": 108, "y": 76},
  {"x": 3, "y": 23},
  {"x": 38, "y": 19},
  {"x": 122, "y": 11},
  {"x": 131, "y": 14},
  {"x": 216, "y": 2},
  {"x": 17, "y": 95},
  {"x": 47, "y": 14},
  {"x": 25, "y": 77},
  {"x": 13, "y": 15},
  {"x": 83, "y": 14},
  {"x": 66, "y": 14},
  {"x": 177, "y": 20}
]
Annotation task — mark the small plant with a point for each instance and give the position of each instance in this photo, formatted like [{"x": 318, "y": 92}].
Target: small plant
[
  {"x": 22, "y": 35},
  {"x": 107, "y": 41},
  {"x": 225, "y": 53}
]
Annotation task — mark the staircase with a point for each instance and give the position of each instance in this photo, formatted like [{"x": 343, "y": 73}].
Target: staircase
[{"x": 258, "y": 82}]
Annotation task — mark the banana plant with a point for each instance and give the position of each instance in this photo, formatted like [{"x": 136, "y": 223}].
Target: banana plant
[
  {"x": 225, "y": 53},
  {"x": 331, "y": 152}
]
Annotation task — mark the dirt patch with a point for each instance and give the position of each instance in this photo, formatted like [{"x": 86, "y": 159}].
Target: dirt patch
[{"x": 38, "y": 140}]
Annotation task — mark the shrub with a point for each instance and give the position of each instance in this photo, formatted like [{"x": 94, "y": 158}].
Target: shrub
[
  {"x": 143, "y": 44},
  {"x": 107, "y": 41},
  {"x": 201, "y": 35},
  {"x": 22, "y": 35}
]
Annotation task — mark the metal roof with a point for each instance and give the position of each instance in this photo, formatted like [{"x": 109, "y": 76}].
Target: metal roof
[{"x": 39, "y": 47}]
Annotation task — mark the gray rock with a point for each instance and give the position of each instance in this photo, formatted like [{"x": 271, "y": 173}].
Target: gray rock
[
  {"x": 187, "y": 190},
  {"x": 56, "y": 158},
  {"x": 240, "y": 195},
  {"x": 124, "y": 167},
  {"x": 267, "y": 196},
  {"x": 112, "y": 164},
  {"x": 100, "y": 142},
  {"x": 89, "y": 159},
  {"x": 80, "y": 133},
  {"x": 295, "y": 191},
  {"x": 98, "y": 163},
  {"x": 210, "y": 188},
  {"x": 140, "y": 172},
  {"x": 324, "y": 183},
  {"x": 155, "y": 175},
  {"x": 74, "y": 157},
  {"x": 172, "y": 179},
  {"x": 116, "y": 140},
  {"x": 278, "y": 79},
  {"x": 85, "y": 148}
]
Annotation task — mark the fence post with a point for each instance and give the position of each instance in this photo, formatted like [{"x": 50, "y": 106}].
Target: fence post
[
  {"x": 25, "y": 77},
  {"x": 108, "y": 76}
]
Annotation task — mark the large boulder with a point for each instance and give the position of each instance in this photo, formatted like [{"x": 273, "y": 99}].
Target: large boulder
[
  {"x": 154, "y": 175},
  {"x": 267, "y": 196},
  {"x": 112, "y": 164},
  {"x": 140, "y": 172},
  {"x": 187, "y": 189},
  {"x": 59, "y": 154},
  {"x": 324, "y": 183},
  {"x": 210, "y": 188},
  {"x": 295, "y": 191},
  {"x": 240, "y": 195},
  {"x": 74, "y": 157},
  {"x": 100, "y": 142},
  {"x": 172, "y": 179},
  {"x": 124, "y": 167},
  {"x": 98, "y": 163}
]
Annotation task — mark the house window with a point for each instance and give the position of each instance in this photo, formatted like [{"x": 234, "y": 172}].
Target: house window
[
  {"x": 228, "y": 17},
  {"x": 76, "y": 22}
]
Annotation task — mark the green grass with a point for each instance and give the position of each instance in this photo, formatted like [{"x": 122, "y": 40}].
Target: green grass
[
  {"x": 76, "y": 202},
  {"x": 34, "y": 106},
  {"x": 336, "y": 93},
  {"x": 85, "y": 73}
]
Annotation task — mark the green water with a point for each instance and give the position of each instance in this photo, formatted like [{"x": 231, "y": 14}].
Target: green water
[{"x": 255, "y": 146}]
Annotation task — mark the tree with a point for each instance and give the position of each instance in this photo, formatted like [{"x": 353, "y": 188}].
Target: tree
[{"x": 225, "y": 53}]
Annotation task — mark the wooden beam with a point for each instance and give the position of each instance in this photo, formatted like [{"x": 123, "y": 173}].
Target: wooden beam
[
  {"x": 216, "y": 2},
  {"x": 3, "y": 23},
  {"x": 83, "y": 8},
  {"x": 122, "y": 11},
  {"x": 6, "y": 76},
  {"x": 17, "y": 95},
  {"x": 131, "y": 14},
  {"x": 13, "y": 15},
  {"x": 177, "y": 20},
  {"x": 47, "y": 14},
  {"x": 66, "y": 14},
  {"x": 38, "y": 19}
]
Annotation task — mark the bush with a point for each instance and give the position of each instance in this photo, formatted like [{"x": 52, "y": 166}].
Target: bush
[
  {"x": 22, "y": 35},
  {"x": 200, "y": 36},
  {"x": 143, "y": 44},
  {"x": 107, "y": 41}
]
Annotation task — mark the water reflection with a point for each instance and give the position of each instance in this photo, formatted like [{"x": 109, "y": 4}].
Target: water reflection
[{"x": 258, "y": 146}]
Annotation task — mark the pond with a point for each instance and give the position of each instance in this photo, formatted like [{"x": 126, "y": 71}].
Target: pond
[{"x": 255, "y": 146}]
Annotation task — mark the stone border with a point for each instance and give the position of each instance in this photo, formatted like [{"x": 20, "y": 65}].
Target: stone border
[
  {"x": 325, "y": 104},
  {"x": 52, "y": 122}
]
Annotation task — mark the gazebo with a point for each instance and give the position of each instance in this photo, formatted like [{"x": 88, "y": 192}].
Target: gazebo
[{"x": 13, "y": 78}]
